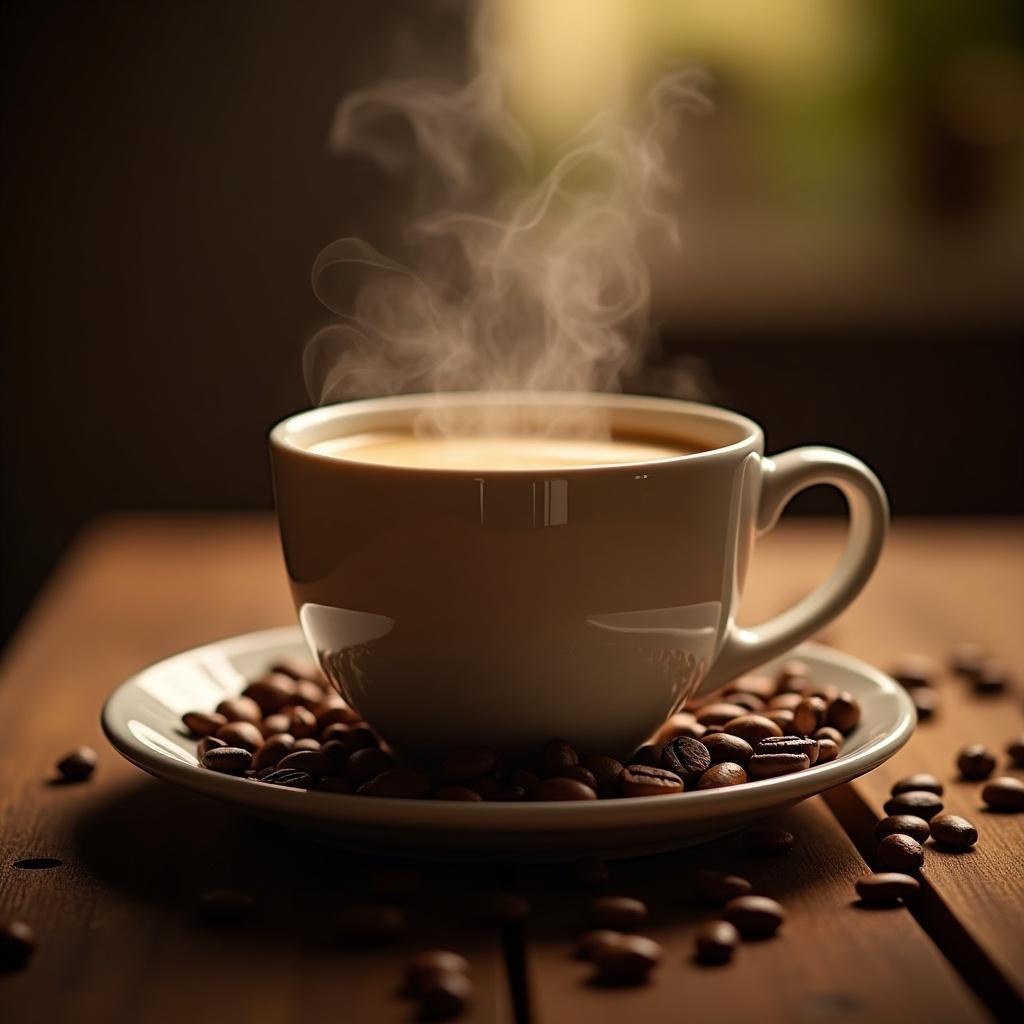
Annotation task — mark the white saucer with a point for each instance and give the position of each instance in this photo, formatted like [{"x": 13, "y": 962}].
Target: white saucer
[{"x": 142, "y": 719}]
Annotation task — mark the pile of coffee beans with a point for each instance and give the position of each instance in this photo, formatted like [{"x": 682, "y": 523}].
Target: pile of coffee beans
[{"x": 287, "y": 728}]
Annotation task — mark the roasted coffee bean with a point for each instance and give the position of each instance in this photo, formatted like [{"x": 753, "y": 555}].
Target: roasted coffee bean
[
  {"x": 367, "y": 763},
  {"x": 809, "y": 715},
  {"x": 224, "y": 906},
  {"x": 781, "y": 717},
  {"x": 302, "y": 723},
  {"x": 297, "y": 667},
  {"x": 768, "y": 840},
  {"x": 915, "y": 671},
  {"x": 334, "y": 784},
  {"x": 606, "y": 771},
  {"x": 826, "y": 732},
  {"x": 992, "y": 678},
  {"x": 790, "y": 745},
  {"x": 312, "y": 762},
  {"x": 749, "y": 701},
  {"x": 753, "y": 728},
  {"x": 717, "y": 888},
  {"x": 967, "y": 659},
  {"x": 899, "y": 852},
  {"x": 444, "y": 995},
  {"x": 369, "y": 925},
  {"x": 716, "y": 942},
  {"x": 922, "y": 782},
  {"x": 240, "y": 709},
  {"x": 327, "y": 715},
  {"x": 904, "y": 825},
  {"x": 208, "y": 743},
  {"x": 826, "y": 691},
  {"x": 290, "y": 778},
  {"x": 591, "y": 873},
  {"x": 78, "y": 765},
  {"x": 589, "y": 943},
  {"x": 649, "y": 754},
  {"x": 953, "y": 831},
  {"x": 759, "y": 686},
  {"x": 770, "y": 766},
  {"x": 275, "y": 724},
  {"x": 228, "y": 760},
  {"x": 925, "y": 702},
  {"x": 627, "y": 962},
  {"x": 580, "y": 774},
  {"x": 844, "y": 713},
  {"x": 395, "y": 884},
  {"x": 468, "y": 763},
  {"x": 307, "y": 743},
  {"x": 17, "y": 944},
  {"x": 792, "y": 673},
  {"x": 398, "y": 783},
  {"x": 463, "y": 793},
  {"x": 275, "y": 747},
  {"x": 681, "y": 724},
  {"x": 339, "y": 753},
  {"x": 202, "y": 724},
  {"x": 828, "y": 750},
  {"x": 622, "y": 913},
  {"x": 718, "y": 776},
  {"x": 723, "y": 746},
  {"x": 503, "y": 908},
  {"x": 688, "y": 758},
  {"x": 1004, "y": 794},
  {"x": 1015, "y": 751},
  {"x": 712, "y": 730},
  {"x": 557, "y": 755},
  {"x": 430, "y": 962},
  {"x": 307, "y": 694},
  {"x": 241, "y": 734},
  {"x": 640, "y": 780},
  {"x": 720, "y": 713},
  {"x": 785, "y": 702},
  {"x": 886, "y": 887},
  {"x": 919, "y": 802},
  {"x": 271, "y": 692},
  {"x": 557, "y": 788},
  {"x": 755, "y": 917},
  {"x": 975, "y": 763}
]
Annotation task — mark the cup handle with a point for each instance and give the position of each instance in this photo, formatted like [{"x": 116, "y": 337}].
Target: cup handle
[{"x": 783, "y": 477}]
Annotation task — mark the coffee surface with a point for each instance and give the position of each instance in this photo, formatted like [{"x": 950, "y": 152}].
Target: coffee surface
[{"x": 479, "y": 453}]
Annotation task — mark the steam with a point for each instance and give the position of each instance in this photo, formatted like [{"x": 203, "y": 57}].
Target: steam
[{"x": 511, "y": 278}]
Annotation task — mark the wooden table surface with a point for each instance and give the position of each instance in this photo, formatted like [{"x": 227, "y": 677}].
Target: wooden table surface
[{"x": 118, "y": 939}]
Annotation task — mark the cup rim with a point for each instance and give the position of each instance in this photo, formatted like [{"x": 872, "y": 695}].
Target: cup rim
[{"x": 283, "y": 434}]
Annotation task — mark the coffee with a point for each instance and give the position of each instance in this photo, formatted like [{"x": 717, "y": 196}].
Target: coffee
[{"x": 482, "y": 453}]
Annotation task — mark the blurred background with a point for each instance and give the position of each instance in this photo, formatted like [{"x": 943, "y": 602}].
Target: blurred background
[{"x": 852, "y": 269}]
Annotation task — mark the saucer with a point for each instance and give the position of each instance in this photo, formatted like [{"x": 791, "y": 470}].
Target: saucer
[{"x": 142, "y": 719}]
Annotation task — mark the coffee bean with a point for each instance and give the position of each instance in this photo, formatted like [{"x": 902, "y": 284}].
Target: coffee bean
[
  {"x": 826, "y": 691},
  {"x": 276, "y": 724},
  {"x": 396, "y": 884},
  {"x": 289, "y": 778},
  {"x": 275, "y": 748},
  {"x": 768, "y": 840},
  {"x": 423, "y": 966},
  {"x": 328, "y": 714},
  {"x": 716, "y": 942},
  {"x": 503, "y": 908},
  {"x": 307, "y": 695},
  {"x": 208, "y": 743},
  {"x": 717, "y": 888},
  {"x": 525, "y": 778},
  {"x": 688, "y": 758},
  {"x": 1004, "y": 794},
  {"x": 649, "y": 754},
  {"x": 749, "y": 701},
  {"x": 240, "y": 709},
  {"x": 297, "y": 667},
  {"x": 1015, "y": 750},
  {"x": 925, "y": 702},
  {"x": 302, "y": 723},
  {"x": 809, "y": 715},
  {"x": 681, "y": 724},
  {"x": 627, "y": 962},
  {"x": 228, "y": 760},
  {"x": 922, "y": 781},
  {"x": 826, "y": 732},
  {"x": 770, "y": 766},
  {"x": 369, "y": 925},
  {"x": 591, "y": 872},
  {"x": 606, "y": 771},
  {"x": 844, "y": 713},
  {"x": 78, "y": 765},
  {"x": 468, "y": 763},
  {"x": 792, "y": 676},
  {"x": 580, "y": 774},
  {"x": 905, "y": 825},
  {"x": 224, "y": 906},
  {"x": 640, "y": 780},
  {"x": 719, "y": 776},
  {"x": 312, "y": 762},
  {"x": 307, "y": 743},
  {"x": 781, "y": 717},
  {"x": 915, "y": 671},
  {"x": 886, "y": 887},
  {"x": 622, "y": 913},
  {"x": 719, "y": 714},
  {"x": 828, "y": 750},
  {"x": 397, "y": 783},
  {"x": 367, "y": 763},
  {"x": 723, "y": 746},
  {"x": 967, "y": 659},
  {"x": 444, "y": 995},
  {"x": 338, "y": 752},
  {"x": 900, "y": 853},
  {"x": 241, "y": 734},
  {"x": 463, "y": 793},
  {"x": 271, "y": 693},
  {"x": 975, "y": 763},
  {"x": 760, "y": 686},
  {"x": 953, "y": 831},
  {"x": 918, "y": 802},
  {"x": 790, "y": 745},
  {"x": 589, "y": 943},
  {"x": 508, "y": 794},
  {"x": 334, "y": 784},
  {"x": 17, "y": 944},
  {"x": 786, "y": 702},
  {"x": 992, "y": 678},
  {"x": 202, "y": 724},
  {"x": 557, "y": 788},
  {"x": 753, "y": 728},
  {"x": 755, "y": 917},
  {"x": 557, "y": 755}
]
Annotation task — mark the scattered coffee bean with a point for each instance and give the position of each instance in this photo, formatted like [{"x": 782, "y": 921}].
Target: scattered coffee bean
[
  {"x": 503, "y": 908},
  {"x": 716, "y": 942},
  {"x": 781, "y": 717},
  {"x": 591, "y": 872},
  {"x": 915, "y": 671},
  {"x": 755, "y": 917},
  {"x": 753, "y": 728},
  {"x": 749, "y": 701},
  {"x": 557, "y": 755},
  {"x": 463, "y": 793},
  {"x": 639, "y": 780},
  {"x": 790, "y": 745},
  {"x": 17, "y": 944},
  {"x": 208, "y": 743},
  {"x": 649, "y": 754},
  {"x": 228, "y": 760},
  {"x": 369, "y": 925},
  {"x": 224, "y": 906},
  {"x": 276, "y": 725},
  {"x": 887, "y": 887},
  {"x": 925, "y": 702},
  {"x": 241, "y": 734},
  {"x": 444, "y": 995},
  {"x": 271, "y": 692},
  {"x": 922, "y": 781},
  {"x": 768, "y": 840},
  {"x": 240, "y": 709},
  {"x": 719, "y": 776},
  {"x": 786, "y": 702},
  {"x": 1004, "y": 794},
  {"x": 308, "y": 743},
  {"x": 312, "y": 762},
  {"x": 809, "y": 715},
  {"x": 396, "y": 783},
  {"x": 993, "y": 678},
  {"x": 827, "y": 751},
  {"x": 202, "y": 724},
  {"x": 558, "y": 788},
  {"x": 580, "y": 774},
  {"x": 621, "y": 913},
  {"x": 685, "y": 757},
  {"x": 919, "y": 802},
  {"x": 826, "y": 732},
  {"x": 723, "y": 746},
  {"x": 682, "y": 724},
  {"x": 844, "y": 713},
  {"x": 627, "y": 962},
  {"x": 720, "y": 714},
  {"x": 717, "y": 888},
  {"x": 975, "y": 763},
  {"x": 953, "y": 831},
  {"x": 770, "y": 766},
  {"x": 826, "y": 691},
  {"x": 301, "y": 723},
  {"x": 289, "y": 778},
  {"x": 307, "y": 694},
  {"x": 792, "y": 676},
  {"x": 296, "y": 667},
  {"x": 899, "y": 852},
  {"x": 424, "y": 966},
  {"x": 468, "y": 763},
  {"x": 760, "y": 686},
  {"x": 366, "y": 764},
  {"x": 1015, "y": 751},
  {"x": 273, "y": 750},
  {"x": 78, "y": 765},
  {"x": 589, "y": 943},
  {"x": 606, "y": 771},
  {"x": 904, "y": 825}
]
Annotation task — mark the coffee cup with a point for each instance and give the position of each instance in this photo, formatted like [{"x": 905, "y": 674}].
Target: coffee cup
[{"x": 581, "y": 592}]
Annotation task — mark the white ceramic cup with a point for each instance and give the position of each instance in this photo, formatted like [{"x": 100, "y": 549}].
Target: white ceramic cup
[{"x": 508, "y": 607}]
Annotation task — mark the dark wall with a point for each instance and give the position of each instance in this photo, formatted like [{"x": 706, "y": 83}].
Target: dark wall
[{"x": 166, "y": 188}]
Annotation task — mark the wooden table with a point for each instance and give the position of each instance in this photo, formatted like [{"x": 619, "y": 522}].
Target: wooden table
[{"x": 118, "y": 940}]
